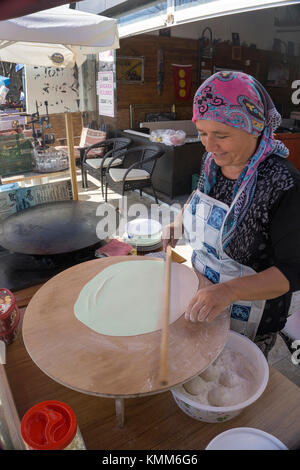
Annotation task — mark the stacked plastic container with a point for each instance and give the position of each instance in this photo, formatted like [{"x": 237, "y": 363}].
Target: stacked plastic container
[
  {"x": 9, "y": 316},
  {"x": 51, "y": 425}
]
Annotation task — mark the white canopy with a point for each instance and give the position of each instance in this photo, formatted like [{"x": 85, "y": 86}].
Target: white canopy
[{"x": 56, "y": 37}]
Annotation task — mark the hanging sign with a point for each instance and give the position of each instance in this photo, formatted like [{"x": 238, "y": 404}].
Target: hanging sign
[
  {"x": 182, "y": 75},
  {"x": 105, "y": 90}
]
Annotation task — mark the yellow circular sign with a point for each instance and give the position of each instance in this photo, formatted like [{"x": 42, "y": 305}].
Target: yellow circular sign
[
  {"x": 182, "y": 93},
  {"x": 181, "y": 73},
  {"x": 182, "y": 83}
]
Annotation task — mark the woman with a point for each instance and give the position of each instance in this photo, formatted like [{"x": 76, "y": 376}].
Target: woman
[{"x": 243, "y": 220}]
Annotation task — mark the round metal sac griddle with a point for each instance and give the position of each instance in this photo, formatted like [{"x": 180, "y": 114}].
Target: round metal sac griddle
[{"x": 51, "y": 228}]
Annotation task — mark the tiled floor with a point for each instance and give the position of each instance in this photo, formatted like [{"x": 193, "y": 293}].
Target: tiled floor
[{"x": 280, "y": 356}]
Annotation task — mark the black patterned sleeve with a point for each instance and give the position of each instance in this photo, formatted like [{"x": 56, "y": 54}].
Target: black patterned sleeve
[{"x": 285, "y": 235}]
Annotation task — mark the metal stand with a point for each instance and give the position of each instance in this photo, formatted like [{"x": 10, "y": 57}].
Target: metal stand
[{"x": 119, "y": 402}]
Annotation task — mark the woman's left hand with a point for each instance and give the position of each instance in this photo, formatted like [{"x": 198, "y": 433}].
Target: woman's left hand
[{"x": 209, "y": 302}]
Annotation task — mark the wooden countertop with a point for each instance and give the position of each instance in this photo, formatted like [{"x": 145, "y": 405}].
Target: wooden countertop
[{"x": 152, "y": 422}]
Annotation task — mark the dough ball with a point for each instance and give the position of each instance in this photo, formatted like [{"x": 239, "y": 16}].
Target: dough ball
[
  {"x": 210, "y": 374},
  {"x": 224, "y": 396},
  {"x": 194, "y": 386},
  {"x": 229, "y": 379},
  {"x": 220, "y": 396}
]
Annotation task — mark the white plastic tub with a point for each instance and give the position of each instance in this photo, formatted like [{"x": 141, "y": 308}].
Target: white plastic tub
[{"x": 214, "y": 414}]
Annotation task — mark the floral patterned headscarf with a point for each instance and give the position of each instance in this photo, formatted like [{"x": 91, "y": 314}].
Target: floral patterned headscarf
[{"x": 238, "y": 100}]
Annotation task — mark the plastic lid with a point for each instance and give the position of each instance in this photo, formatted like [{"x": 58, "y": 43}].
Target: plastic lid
[
  {"x": 49, "y": 425},
  {"x": 245, "y": 439}
]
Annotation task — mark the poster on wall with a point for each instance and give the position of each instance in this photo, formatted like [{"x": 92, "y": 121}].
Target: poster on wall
[
  {"x": 130, "y": 69},
  {"x": 106, "y": 83},
  {"x": 105, "y": 90},
  {"x": 54, "y": 88}
]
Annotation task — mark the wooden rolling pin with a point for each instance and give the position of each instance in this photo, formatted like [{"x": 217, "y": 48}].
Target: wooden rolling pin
[{"x": 164, "y": 345}]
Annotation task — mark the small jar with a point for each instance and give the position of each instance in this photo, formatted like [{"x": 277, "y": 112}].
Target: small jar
[
  {"x": 51, "y": 425},
  {"x": 9, "y": 316}
]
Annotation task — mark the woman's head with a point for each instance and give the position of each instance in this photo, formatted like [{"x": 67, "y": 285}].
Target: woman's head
[
  {"x": 236, "y": 117},
  {"x": 236, "y": 100}
]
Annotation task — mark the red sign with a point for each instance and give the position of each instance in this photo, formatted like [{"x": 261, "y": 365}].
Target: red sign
[{"x": 182, "y": 75}]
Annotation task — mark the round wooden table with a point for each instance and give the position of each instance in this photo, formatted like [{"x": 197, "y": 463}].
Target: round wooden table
[
  {"x": 111, "y": 366},
  {"x": 51, "y": 228}
]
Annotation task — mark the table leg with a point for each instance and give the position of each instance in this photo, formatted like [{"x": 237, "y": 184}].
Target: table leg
[{"x": 120, "y": 411}]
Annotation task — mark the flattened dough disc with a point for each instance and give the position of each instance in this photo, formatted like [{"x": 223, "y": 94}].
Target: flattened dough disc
[
  {"x": 114, "y": 366},
  {"x": 125, "y": 299}
]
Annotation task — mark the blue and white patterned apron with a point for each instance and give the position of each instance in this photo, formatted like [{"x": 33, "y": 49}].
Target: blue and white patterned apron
[{"x": 203, "y": 220}]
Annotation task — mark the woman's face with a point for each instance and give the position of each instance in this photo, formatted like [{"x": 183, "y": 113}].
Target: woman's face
[{"x": 229, "y": 146}]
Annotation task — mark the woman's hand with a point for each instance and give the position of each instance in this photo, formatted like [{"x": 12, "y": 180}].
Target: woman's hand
[
  {"x": 209, "y": 302},
  {"x": 171, "y": 234}
]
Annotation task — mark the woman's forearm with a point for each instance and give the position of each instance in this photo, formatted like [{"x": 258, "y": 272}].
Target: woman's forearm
[
  {"x": 267, "y": 284},
  {"x": 212, "y": 300}
]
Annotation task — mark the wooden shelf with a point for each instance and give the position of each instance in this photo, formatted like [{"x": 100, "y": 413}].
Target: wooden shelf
[{"x": 32, "y": 175}]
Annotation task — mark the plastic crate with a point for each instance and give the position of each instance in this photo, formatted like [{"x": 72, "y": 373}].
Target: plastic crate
[{"x": 15, "y": 154}]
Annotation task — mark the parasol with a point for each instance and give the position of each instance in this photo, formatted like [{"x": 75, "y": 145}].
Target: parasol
[{"x": 57, "y": 37}]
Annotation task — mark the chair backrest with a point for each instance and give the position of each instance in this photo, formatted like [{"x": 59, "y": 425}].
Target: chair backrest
[
  {"x": 148, "y": 156},
  {"x": 119, "y": 143},
  {"x": 90, "y": 137},
  {"x": 114, "y": 145}
]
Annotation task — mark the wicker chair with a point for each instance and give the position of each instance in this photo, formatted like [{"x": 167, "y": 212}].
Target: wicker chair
[
  {"x": 139, "y": 174},
  {"x": 96, "y": 166}
]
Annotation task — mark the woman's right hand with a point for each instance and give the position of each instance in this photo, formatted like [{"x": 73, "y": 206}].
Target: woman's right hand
[{"x": 171, "y": 234}]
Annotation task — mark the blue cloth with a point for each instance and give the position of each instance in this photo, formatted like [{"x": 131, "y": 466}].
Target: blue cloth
[{"x": 8, "y": 187}]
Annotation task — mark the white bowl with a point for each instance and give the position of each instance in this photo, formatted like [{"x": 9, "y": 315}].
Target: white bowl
[
  {"x": 215, "y": 414},
  {"x": 245, "y": 439}
]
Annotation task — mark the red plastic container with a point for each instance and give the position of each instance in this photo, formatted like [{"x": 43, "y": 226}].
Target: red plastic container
[
  {"x": 51, "y": 425},
  {"x": 9, "y": 316}
]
